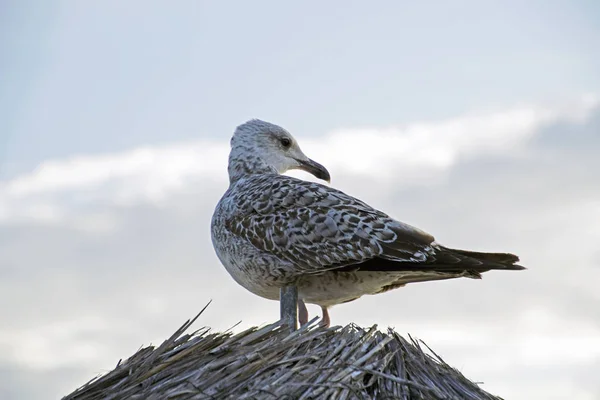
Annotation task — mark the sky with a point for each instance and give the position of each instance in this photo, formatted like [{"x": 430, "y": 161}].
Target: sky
[{"x": 478, "y": 122}]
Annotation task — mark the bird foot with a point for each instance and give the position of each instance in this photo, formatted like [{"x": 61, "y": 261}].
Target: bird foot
[
  {"x": 326, "y": 321},
  {"x": 302, "y": 312}
]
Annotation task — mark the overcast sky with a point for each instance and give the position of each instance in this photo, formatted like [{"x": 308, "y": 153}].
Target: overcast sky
[{"x": 478, "y": 122}]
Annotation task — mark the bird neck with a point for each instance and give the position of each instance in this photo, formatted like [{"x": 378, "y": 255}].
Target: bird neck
[{"x": 240, "y": 167}]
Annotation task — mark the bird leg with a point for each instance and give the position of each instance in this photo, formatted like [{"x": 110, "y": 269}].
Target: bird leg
[
  {"x": 326, "y": 321},
  {"x": 302, "y": 312}
]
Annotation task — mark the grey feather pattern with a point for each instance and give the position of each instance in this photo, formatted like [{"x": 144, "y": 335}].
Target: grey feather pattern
[{"x": 317, "y": 228}]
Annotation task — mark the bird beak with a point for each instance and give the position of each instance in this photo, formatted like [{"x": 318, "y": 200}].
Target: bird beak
[{"x": 314, "y": 168}]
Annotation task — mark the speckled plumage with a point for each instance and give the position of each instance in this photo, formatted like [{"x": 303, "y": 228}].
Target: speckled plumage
[{"x": 271, "y": 230}]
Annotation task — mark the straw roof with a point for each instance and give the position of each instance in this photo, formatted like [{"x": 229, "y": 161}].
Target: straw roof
[{"x": 271, "y": 363}]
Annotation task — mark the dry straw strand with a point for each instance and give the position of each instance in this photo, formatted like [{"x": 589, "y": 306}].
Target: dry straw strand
[{"x": 271, "y": 363}]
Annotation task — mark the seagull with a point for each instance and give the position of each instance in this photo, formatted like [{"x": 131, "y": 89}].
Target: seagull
[{"x": 271, "y": 230}]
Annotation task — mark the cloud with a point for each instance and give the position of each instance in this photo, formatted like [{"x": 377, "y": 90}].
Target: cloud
[
  {"x": 439, "y": 145},
  {"x": 416, "y": 153},
  {"x": 100, "y": 254}
]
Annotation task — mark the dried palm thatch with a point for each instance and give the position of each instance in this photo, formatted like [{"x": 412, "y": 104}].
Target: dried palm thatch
[{"x": 272, "y": 363}]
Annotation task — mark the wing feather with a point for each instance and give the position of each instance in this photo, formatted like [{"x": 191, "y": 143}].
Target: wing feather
[{"x": 318, "y": 228}]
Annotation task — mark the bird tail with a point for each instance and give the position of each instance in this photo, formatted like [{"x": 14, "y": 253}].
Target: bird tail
[{"x": 505, "y": 261}]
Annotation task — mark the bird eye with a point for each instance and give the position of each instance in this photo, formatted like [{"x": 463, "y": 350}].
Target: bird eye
[{"x": 286, "y": 142}]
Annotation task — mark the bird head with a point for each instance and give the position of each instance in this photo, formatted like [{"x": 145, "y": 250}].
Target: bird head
[{"x": 274, "y": 146}]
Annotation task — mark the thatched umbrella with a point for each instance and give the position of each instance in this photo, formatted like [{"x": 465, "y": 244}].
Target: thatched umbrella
[{"x": 273, "y": 363}]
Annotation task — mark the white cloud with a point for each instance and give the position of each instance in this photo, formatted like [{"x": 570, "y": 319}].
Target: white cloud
[
  {"x": 435, "y": 146},
  {"x": 414, "y": 153},
  {"x": 56, "y": 188},
  {"x": 51, "y": 346},
  {"x": 158, "y": 168}
]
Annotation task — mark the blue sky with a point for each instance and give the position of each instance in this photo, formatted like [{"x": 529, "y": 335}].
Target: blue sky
[
  {"x": 90, "y": 77},
  {"x": 475, "y": 121}
]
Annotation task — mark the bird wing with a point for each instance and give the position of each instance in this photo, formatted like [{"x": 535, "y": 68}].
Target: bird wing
[{"x": 318, "y": 228}]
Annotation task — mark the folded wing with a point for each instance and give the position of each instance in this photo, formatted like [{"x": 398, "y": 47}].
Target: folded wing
[{"x": 317, "y": 228}]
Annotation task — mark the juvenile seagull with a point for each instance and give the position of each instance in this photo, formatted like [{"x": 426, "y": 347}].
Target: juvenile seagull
[{"x": 271, "y": 230}]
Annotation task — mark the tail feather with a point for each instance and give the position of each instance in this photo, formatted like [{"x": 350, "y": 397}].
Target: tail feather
[
  {"x": 455, "y": 262},
  {"x": 496, "y": 257},
  {"x": 492, "y": 260}
]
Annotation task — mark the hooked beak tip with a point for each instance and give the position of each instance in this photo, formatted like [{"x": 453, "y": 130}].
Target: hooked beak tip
[{"x": 316, "y": 169}]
